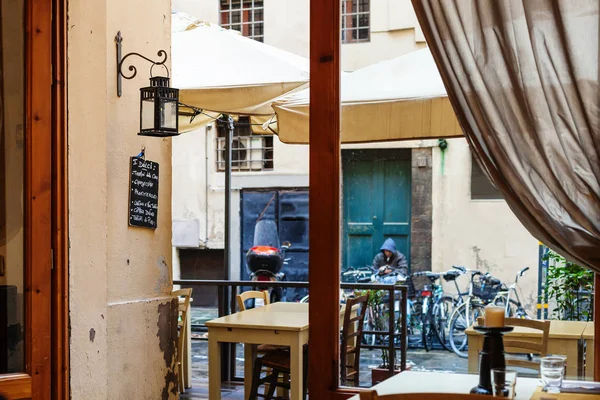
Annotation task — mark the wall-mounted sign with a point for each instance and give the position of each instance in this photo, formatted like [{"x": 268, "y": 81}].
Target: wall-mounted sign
[{"x": 143, "y": 193}]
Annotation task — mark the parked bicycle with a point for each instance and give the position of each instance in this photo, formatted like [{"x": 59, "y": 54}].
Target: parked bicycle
[
  {"x": 483, "y": 289},
  {"x": 508, "y": 297},
  {"x": 443, "y": 306}
]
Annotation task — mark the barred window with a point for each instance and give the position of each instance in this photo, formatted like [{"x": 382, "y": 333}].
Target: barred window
[
  {"x": 355, "y": 21},
  {"x": 249, "y": 151},
  {"x": 246, "y": 16}
]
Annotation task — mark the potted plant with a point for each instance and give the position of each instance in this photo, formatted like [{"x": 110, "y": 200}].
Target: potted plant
[
  {"x": 377, "y": 321},
  {"x": 569, "y": 287},
  {"x": 382, "y": 372}
]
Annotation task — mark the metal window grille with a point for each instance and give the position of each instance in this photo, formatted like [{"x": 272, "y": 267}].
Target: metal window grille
[
  {"x": 481, "y": 186},
  {"x": 245, "y": 16},
  {"x": 355, "y": 21},
  {"x": 249, "y": 152}
]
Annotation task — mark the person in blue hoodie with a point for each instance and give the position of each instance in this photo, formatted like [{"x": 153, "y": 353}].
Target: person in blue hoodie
[{"x": 390, "y": 260}]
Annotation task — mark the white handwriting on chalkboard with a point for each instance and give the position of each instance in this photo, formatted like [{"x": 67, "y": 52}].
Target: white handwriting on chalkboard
[
  {"x": 144, "y": 164},
  {"x": 147, "y": 204},
  {"x": 145, "y": 194},
  {"x": 143, "y": 183},
  {"x": 143, "y": 209}
]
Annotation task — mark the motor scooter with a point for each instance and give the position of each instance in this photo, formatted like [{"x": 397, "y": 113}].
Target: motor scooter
[{"x": 266, "y": 257}]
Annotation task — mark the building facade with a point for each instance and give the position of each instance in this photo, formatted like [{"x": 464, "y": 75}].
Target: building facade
[{"x": 449, "y": 214}]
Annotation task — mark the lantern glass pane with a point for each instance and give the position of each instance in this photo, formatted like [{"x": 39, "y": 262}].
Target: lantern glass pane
[
  {"x": 147, "y": 114},
  {"x": 168, "y": 114}
]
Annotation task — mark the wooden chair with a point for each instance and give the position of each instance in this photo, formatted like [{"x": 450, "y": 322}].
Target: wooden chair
[
  {"x": 255, "y": 294},
  {"x": 261, "y": 349},
  {"x": 372, "y": 395},
  {"x": 251, "y": 294},
  {"x": 530, "y": 345},
  {"x": 352, "y": 331},
  {"x": 278, "y": 365},
  {"x": 184, "y": 296}
]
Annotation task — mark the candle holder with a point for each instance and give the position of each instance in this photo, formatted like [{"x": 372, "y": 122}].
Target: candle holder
[{"x": 492, "y": 356}]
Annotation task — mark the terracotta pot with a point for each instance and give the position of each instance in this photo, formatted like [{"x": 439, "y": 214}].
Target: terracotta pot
[{"x": 379, "y": 375}]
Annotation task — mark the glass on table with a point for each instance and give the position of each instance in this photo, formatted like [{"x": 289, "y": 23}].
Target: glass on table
[
  {"x": 503, "y": 382},
  {"x": 552, "y": 370}
]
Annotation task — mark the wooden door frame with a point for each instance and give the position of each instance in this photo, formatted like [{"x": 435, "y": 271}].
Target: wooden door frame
[
  {"x": 60, "y": 239},
  {"x": 38, "y": 195},
  {"x": 45, "y": 183}
]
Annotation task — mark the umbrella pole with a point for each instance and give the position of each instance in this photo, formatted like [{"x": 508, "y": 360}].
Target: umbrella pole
[
  {"x": 228, "y": 349},
  {"x": 227, "y": 243}
]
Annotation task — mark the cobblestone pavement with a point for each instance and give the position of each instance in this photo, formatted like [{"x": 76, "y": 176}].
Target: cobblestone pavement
[{"x": 418, "y": 359}]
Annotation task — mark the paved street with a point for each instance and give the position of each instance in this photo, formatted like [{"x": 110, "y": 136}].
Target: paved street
[{"x": 437, "y": 360}]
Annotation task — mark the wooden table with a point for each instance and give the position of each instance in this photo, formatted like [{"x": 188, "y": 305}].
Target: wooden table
[
  {"x": 564, "y": 339},
  {"x": 439, "y": 382},
  {"x": 284, "y": 324},
  {"x": 588, "y": 337}
]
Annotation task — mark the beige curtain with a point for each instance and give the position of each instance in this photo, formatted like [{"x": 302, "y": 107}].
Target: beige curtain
[{"x": 522, "y": 76}]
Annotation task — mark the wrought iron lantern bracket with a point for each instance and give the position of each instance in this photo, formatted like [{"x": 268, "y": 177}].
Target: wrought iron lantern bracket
[{"x": 132, "y": 68}]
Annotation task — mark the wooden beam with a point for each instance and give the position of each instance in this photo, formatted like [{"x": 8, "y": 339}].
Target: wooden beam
[
  {"x": 38, "y": 196},
  {"x": 16, "y": 386},
  {"x": 596, "y": 350},
  {"x": 60, "y": 272},
  {"x": 324, "y": 198}
]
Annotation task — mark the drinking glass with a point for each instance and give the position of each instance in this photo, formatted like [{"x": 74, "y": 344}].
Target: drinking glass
[
  {"x": 552, "y": 370},
  {"x": 503, "y": 382}
]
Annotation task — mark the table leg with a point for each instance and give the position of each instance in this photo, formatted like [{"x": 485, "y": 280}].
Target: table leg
[
  {"x": 589, "y": 359},
  {"x": 187, "y": 353},
  {"x": 214, "y": 367},
  {"x": 249, "y": 357},
  {"x": 568, "y": 348},
  {"x": 296, "y": 367}
]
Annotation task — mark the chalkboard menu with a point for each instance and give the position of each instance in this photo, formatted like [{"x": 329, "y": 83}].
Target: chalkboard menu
[{"x": 143, "y": 193}]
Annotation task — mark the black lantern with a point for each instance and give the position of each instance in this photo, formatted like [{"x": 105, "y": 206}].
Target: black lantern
[
  {"x": 159, "y": 106},
  {"x": 159, "y": 103}
]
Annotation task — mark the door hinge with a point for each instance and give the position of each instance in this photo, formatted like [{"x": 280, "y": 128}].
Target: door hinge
[{"x": 51, "y": 259}]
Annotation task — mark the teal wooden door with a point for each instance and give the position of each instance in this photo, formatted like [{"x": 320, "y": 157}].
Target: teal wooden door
[{"x": 377, "y": 202}]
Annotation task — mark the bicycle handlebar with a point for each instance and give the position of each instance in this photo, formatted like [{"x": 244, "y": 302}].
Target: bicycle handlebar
[
  {"x": 465, "y": 270},
  {"x": 521, "y": 273}
]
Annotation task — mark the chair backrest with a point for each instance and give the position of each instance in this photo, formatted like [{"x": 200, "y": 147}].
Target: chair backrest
[
  {"x": 184, "y": 296},
  {"x": 372, "y": 395},
  {"x": 361, "y": 303},
  {"x": 529, "y": 345},
  {"x": 251, "y": 294},
  {"x": 352, "y": 331}
]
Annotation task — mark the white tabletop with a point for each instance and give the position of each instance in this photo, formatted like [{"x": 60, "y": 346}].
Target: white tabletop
[{"x": 439, "y": 382}]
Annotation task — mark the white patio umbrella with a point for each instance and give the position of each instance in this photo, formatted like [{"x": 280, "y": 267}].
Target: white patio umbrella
[
  {"x": 222, "y": 72},
  {"x": 403, "y": 98}
]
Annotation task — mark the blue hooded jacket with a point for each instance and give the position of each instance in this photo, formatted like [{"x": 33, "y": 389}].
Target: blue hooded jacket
[
  {"x": 397, "y": 261},
  {"x": 389, "y": 244}
]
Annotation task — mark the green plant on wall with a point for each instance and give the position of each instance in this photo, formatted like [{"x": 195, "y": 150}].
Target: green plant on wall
[{"x": 569, "y": 286}]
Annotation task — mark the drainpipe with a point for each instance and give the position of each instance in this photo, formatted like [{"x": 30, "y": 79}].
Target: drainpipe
[{"x": 208, "y": 129}]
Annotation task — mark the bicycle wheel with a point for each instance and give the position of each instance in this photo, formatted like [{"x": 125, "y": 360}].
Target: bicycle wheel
[
  {"x": 427, "y": 333},
  {"x": 459, "y": 322},
  {"x": 501, "y": 302},
  {"x": 442, "y": 311}
]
